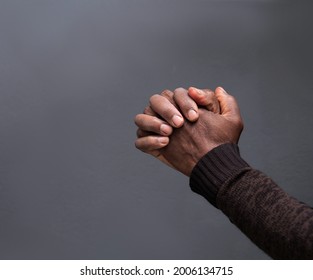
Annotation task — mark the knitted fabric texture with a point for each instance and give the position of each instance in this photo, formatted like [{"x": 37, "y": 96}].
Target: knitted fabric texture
[{"x": 277, "y": 223}]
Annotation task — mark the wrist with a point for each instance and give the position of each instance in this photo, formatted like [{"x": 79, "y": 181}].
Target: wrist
[{"x": 214, "y": 169}]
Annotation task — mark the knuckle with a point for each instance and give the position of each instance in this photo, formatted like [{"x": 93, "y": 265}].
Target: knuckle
[
  {"x": 209, "y": 92},
  {"x": 167, "y": 93},
  {"x": 209, "y": 96}
]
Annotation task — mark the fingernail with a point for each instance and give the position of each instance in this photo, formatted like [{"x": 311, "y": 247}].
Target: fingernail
[
  {"x": 192, "y": 114},
  {"x": 165, "y": 129},
  {"x": 223, "y": 90},
  {"x": 177, "y": 120},
  {"x": 163, "y": 140}
]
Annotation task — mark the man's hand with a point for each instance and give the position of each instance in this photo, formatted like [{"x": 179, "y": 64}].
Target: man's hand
[
  {"x": 163, "y": 114},
  {"x": 192, "y": 141}
]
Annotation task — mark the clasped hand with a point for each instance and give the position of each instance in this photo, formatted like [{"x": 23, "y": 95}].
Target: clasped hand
[{"x": 180, "y": 127}]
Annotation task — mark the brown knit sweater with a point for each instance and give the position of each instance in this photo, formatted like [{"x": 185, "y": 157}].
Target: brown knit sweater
[{"x": 279, "y": 224}]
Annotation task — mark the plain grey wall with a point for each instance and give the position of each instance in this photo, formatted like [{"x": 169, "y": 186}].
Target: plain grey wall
[{"x": 73, "y": 74}]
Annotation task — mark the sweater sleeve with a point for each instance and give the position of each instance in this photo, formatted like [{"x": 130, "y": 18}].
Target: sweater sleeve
[{"x": 277, "y": 223}]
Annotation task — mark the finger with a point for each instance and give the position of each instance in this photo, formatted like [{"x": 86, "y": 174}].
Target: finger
[
  {"x": 150, "y": 143},
  {"x": 206, "y": 98},
  {"x": 186, "y": 104},
  {"x": 164, "y": 108},
  {"x": 228, "y": 104},
  {"x": 153, "y": 124}
]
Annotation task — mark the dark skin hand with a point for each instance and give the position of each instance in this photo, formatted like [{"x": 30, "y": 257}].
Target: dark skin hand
[
  {"x": 167, "y": 112},
  {"x": 189, "y": 143}
]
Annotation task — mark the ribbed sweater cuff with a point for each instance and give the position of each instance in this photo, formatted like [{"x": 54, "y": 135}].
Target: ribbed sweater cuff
[{"x": 214, "y": 169}]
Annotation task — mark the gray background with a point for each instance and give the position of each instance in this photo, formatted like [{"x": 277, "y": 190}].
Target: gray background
[{"x": 73, "y": 74}]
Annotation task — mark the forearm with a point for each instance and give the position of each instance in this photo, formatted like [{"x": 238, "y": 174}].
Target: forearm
[{"x": 277, "y": 223}]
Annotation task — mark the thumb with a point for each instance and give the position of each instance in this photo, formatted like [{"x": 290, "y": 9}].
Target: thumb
[
  {"x": 206, "y": 98},
  {"x": 228, "y": 104}
]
